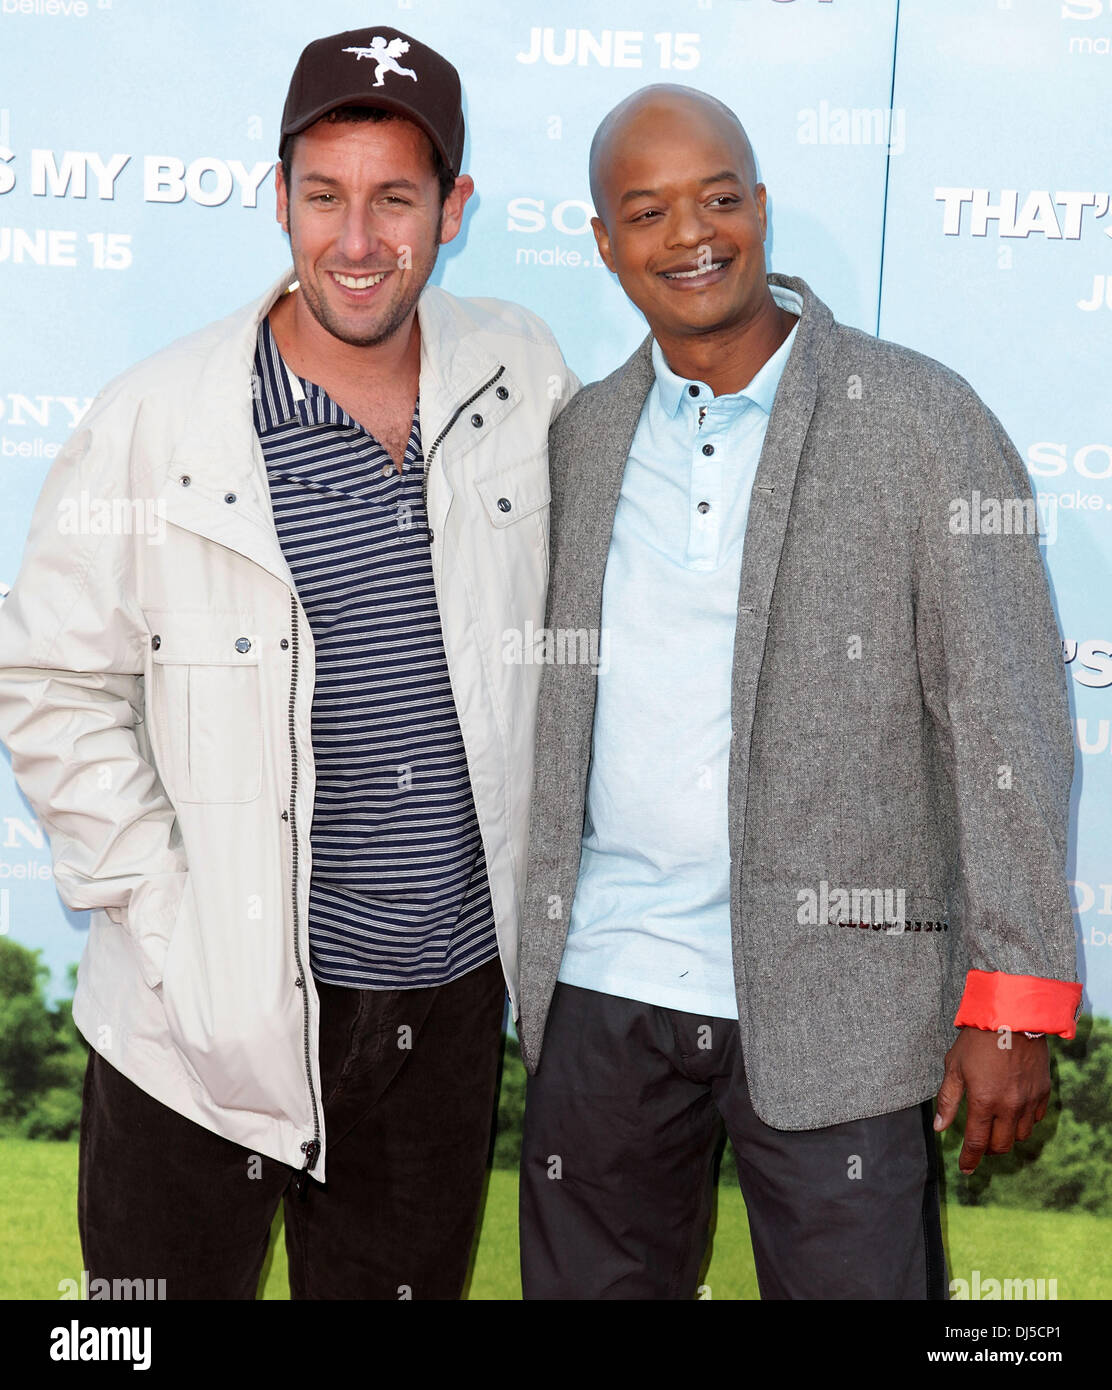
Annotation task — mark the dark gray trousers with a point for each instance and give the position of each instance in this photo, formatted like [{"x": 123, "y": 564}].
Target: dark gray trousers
[{"x": 621, "y": 1124}]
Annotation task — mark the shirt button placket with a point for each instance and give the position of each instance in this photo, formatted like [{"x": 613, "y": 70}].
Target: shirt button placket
[{"x": 706, "y": 494}]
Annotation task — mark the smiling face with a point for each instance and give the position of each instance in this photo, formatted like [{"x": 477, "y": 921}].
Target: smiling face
[
  {"x": 681, "y": 219},
  {"x": 364, "y": 219}
]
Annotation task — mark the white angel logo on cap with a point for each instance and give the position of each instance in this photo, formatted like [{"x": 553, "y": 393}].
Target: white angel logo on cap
[{"x": 385, "y": 55}]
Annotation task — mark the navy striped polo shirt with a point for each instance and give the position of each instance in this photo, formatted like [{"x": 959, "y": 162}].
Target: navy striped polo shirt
[{"x": 399, "y": 896}]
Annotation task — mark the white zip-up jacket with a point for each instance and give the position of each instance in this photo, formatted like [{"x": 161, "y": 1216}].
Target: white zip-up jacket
[{"x": 156, "y": 695}]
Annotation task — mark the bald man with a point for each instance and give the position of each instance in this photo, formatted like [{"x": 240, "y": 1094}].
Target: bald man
[{"x": 797, "y": 850}]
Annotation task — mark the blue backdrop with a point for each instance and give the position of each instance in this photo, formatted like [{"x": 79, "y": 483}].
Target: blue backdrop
[{"x": 938, "y": 171}]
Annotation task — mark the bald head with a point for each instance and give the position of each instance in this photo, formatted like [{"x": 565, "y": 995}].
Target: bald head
[
  {"x": 649, "y": 114},
  {"x": 681, "y": 221}
]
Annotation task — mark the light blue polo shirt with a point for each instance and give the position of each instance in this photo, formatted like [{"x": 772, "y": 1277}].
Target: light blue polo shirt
[{"x": 651, "y": 915}]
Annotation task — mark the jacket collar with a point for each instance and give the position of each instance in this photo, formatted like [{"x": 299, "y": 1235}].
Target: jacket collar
[
  {"x": 218, "y": 449},
  {"x": 219, "y": 436},
  {"x": 454, "y": 360}
]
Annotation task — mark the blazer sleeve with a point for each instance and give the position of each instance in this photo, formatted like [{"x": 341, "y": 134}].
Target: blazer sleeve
[
  {"x": 994, "y": 684},
  {"x": 72, "y": 649}
]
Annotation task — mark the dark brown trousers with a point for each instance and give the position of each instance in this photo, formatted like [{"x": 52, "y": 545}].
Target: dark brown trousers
[{"x": 408, "y": 1133}]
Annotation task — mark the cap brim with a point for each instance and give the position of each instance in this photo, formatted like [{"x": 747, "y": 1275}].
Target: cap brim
[{"x": 360, "y": 98}]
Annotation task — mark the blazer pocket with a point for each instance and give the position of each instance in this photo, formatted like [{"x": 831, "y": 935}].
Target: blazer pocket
[{"x": 204, "y": 706}]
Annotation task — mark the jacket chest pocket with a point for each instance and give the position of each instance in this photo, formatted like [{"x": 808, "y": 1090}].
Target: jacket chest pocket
[
  {"x": 516, "y": 502},
  {"x": 204, "y": 706}
]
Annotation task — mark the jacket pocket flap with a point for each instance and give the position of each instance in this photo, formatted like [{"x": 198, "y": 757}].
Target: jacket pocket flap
[
  {"x": 201, "y": 639},
  {"x": 512, "y": 493}
]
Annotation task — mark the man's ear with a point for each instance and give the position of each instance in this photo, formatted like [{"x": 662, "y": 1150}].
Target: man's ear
[
  {"x": 760, "y": 193},
  {"x": 602, "y": 240},
  {"x": 451, "y": 216},
  {"x": 282, "y": 201}
]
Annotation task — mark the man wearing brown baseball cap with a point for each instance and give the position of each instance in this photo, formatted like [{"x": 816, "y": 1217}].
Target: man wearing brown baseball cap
[
  {"x": 330, "y": 74},
  {"x": 307, "y": 863}
]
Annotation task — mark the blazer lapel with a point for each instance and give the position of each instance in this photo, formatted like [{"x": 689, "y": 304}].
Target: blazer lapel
[
  {"x": 765, "y": 531},
  {"x": 780, "y": 455},
  {"x": 596, "y": 458},
  {"x": 588, "y": 450}
]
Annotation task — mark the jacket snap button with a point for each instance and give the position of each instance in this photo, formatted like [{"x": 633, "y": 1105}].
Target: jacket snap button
[
  {"x": 297, "y": 984},
  {"x": 229, "y": 497},
  {"x": 285, "y": 815},
  {"x": 243, "y": 644},
  {"x": 185, "y": 480},
  {"x": 501, "y": 393},
  {"x": 504, "y": 504},
  {"x": 285, "y": 643},
  {"x": 476, "y": 420},
  {"x": 704, "y": 507},
  {"x": 156, "y": 642},
  {"x": 708, "y": 449}
]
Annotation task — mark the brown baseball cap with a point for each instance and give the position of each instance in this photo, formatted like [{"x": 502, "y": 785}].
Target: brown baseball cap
[{"x": 377, "y": 67}]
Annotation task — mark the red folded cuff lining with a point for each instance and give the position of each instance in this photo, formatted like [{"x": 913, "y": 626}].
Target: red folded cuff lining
[{"x": 1027, "y": 1003}]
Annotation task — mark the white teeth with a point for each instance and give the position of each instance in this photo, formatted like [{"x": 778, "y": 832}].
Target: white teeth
[
  {"x": 691, "y": 274},
  {"x": 359, "y": 282}
]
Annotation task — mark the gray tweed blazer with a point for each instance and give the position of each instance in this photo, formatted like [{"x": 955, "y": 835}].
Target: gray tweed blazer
[{"x": 901, "y": 727}]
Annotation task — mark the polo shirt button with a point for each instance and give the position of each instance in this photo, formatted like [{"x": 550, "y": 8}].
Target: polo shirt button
[
  {"x": 692, "y": 390},
  {"x": 229, "y": 497},
  {"x": 504, "y": 504},
  {"x": 708, "y": 449},
  {"x": 704, "y": 507},
  {"x": 501, "y": 393},
  {"x": 476, "y": 420},
  {"x": 387, "y": 469}
]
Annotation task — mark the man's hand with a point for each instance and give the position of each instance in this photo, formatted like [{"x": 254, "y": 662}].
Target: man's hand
[{"x": 1007, "y": 1079}]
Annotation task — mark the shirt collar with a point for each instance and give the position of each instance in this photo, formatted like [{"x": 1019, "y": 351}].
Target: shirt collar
[
  {"x": 281, "y": 396},
  {"x": 672, "y": 390}
]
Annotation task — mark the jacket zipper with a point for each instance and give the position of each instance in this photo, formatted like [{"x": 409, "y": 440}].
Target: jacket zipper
[
  {"x": 436, "y": 443},
  {"x": 311, "y": 1147}
]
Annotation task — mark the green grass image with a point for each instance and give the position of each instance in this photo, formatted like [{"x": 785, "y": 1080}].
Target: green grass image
[{"x": 38, "y": 1234}]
